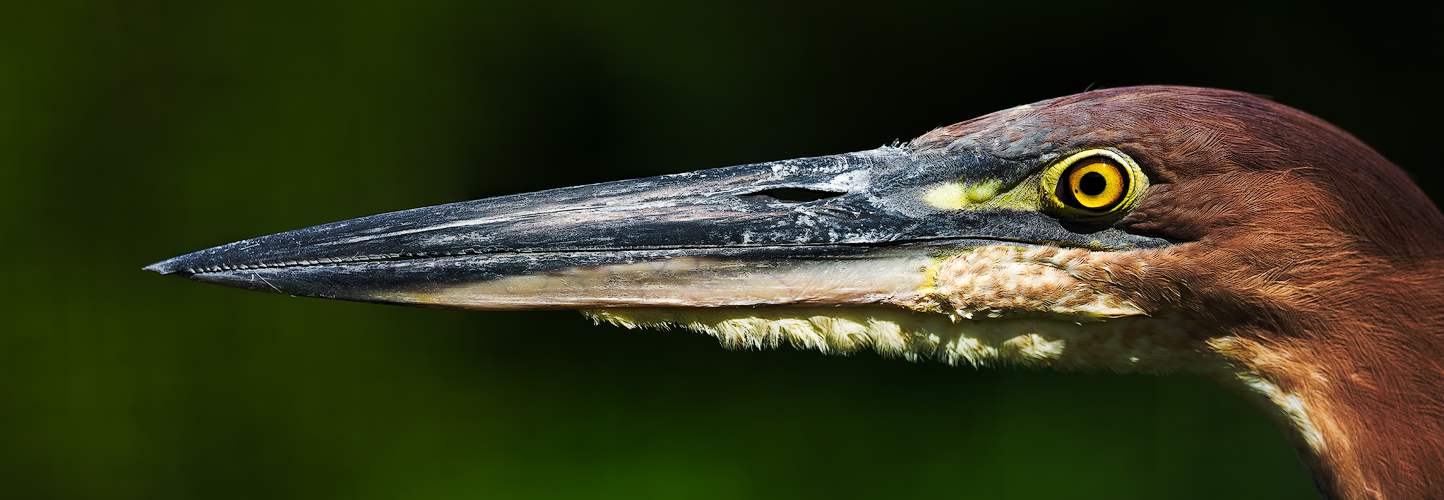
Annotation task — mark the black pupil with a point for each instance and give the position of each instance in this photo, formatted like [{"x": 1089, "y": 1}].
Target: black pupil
[{"x": 1092, "y": 184}]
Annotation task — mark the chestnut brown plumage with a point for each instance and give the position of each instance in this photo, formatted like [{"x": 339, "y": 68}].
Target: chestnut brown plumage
[
  {"x": 1320, "y": 261},
  {"x": 1268, "y": 250}
]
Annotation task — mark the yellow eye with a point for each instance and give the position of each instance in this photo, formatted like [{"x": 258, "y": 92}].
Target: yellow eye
[{"x": 1093, "y": 184}]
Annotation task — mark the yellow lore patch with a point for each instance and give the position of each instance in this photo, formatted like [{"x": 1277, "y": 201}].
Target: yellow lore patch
[
  {"x": 959, "y": 195},
  {"x": 956, "y": 195}
]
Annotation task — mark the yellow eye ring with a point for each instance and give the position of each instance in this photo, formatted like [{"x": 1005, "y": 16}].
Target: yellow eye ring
[{"x": 1093, "y": 184}]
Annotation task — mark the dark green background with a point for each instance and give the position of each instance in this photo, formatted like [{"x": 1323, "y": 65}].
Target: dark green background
[{"x": 134, "y": 131}]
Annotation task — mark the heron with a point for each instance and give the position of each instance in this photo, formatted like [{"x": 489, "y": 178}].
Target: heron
[{"x": 1141, "y": 229}]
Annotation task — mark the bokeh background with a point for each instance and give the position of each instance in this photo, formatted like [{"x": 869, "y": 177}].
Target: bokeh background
[{"x": 133, "y": 131}]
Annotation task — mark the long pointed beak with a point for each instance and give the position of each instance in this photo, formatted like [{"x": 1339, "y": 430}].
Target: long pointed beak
[{"x": 849, "y": 229}]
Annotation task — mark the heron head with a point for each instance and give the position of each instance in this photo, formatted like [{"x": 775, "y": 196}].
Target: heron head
[{"x": 1146, "y": 228}]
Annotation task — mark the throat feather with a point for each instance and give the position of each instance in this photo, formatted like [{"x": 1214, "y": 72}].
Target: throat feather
[{"x": 1123, "y": 344}]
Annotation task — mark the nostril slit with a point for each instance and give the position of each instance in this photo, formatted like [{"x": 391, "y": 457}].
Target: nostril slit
[{"x": 795, "y": 195}]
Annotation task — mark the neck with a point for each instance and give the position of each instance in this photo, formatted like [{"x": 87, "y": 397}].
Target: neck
[{"x": 1362, "y": 401}]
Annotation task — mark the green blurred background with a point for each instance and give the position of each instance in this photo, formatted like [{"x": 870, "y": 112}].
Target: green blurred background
[{"x": 133, "y": 131}]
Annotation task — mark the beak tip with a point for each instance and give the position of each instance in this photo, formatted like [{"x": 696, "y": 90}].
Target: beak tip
[{"x": 163, "y": 267}]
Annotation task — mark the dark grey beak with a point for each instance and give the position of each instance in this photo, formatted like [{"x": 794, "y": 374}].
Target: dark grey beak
[{"x": 856, "y": 228}]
